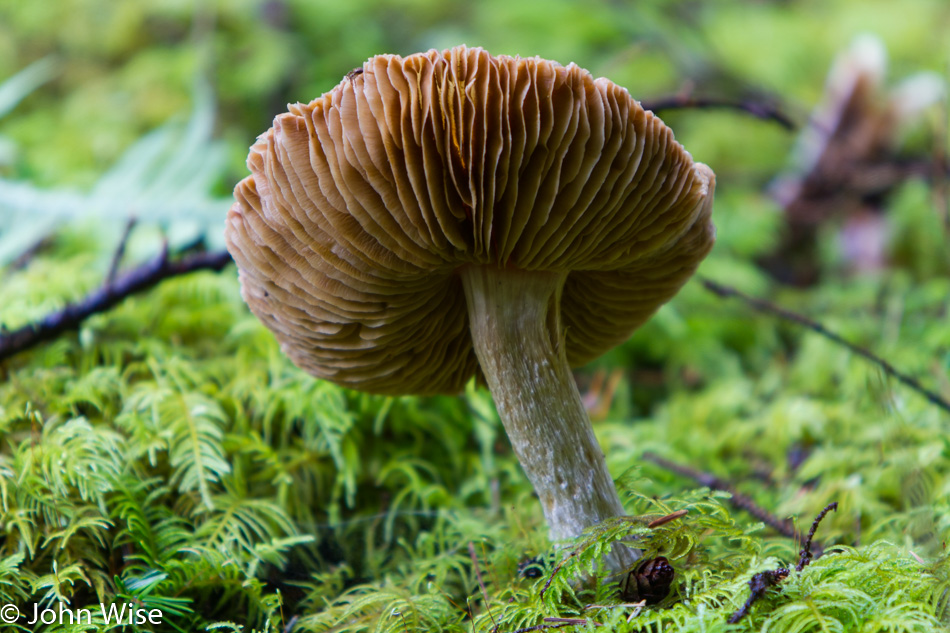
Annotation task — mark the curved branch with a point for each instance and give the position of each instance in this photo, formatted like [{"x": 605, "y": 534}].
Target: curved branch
[
  {"x": 762, "y": 110},
  {"x": 761, "y": 305},
  {"x": 113, "y": 291}
]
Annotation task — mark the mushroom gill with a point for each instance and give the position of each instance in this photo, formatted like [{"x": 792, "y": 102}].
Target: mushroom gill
[{"x": 451, "y": 214}]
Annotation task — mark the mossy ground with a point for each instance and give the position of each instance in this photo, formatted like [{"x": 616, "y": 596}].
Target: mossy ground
[{"x": 168, "y": 454}]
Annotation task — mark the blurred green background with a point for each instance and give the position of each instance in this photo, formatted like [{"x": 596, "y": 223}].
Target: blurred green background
[{"x": 123, "y": 68}]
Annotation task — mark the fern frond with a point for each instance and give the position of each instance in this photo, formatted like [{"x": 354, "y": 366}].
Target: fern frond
[
  {"x": 186, "y": 423},
  {"x": 60, "y": 584},
  {"x": 14, "y": 89},
  {"x": 14, "y": 581},
  {"x": 164, "y": 178}
]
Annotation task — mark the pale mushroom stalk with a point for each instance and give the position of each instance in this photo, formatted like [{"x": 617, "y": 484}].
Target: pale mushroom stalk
[{"x": 514, "y": 317}]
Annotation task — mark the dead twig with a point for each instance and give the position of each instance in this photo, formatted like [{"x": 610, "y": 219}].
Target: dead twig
[
  {"x": 558, "y": 623},
  {"x": 23, "y": 259},
  {"x": 805, "y": 555},
  {"x": 636, "y": 608},
  {"x": 763, "y": 581},
  {"x": 663, "y": 520},
  {"x": 574, "y": 621},
  {"x": 759, "y": 584},
  {"x": 108, "y": 295},
  {"x": 544, "y": 627},
  {"x": 766, "y": 307},
  {"x": 782, "y": 526},
  {"x": 120, "y": 251},
  {"x": 557, "y": 568},
  {"x": 600, "y": 393},
  {"x": 759, "y": 109}
]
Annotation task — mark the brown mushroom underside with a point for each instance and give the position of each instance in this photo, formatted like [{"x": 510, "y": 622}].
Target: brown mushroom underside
[{"x": 364, "y": 205}]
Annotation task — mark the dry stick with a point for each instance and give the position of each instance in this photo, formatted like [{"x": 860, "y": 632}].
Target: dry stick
[
  {"x": 136, "y": 280},
  {"x": 763, "y": 581},
  {"x": 663, "y": 520},
  {"x": 782, "y": 526},
  {"x": 120, "y": 251},
  {"x": 558, "y": 623},
  {"x": 544, "y": 627},
  {"x": 23, "y": 259},
  {"x": 759, "y": 109},
  {"x": 758, "y": 586},
  {"x": 574, "y": 621},
  {"x": 761, "y": 305},
  {"x": 805, "y": 555}
]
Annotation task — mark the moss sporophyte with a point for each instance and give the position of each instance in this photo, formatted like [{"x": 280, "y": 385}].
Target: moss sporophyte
[{"x": 454, "y": 214}]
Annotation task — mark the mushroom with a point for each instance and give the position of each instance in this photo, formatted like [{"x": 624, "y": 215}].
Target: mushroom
[{"x": 453, "y": 213}]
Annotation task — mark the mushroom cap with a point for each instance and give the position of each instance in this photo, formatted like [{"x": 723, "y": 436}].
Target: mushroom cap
[{"x": 363, "y": 205}]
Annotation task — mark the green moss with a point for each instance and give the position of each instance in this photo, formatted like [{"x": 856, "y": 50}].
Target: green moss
[{"x": 196, "y": 460}]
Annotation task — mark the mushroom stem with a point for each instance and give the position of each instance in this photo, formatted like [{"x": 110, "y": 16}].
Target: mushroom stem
[{"x": 514, "y": 316}]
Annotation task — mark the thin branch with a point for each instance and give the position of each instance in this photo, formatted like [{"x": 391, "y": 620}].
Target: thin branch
[
  {"x": 544, "y": 627},
  {"x": 558, "y": 623},
  {"x": 23, "y": 259},
  {"x": 137, "y": 280},
  {"x": 667, "y": 519},
  {"x": 766, "y": 307},
  {"x": 120, "y": 251},
  {"x": 763, "y": 581},
  {"x": 759, "y": 109},
  {"x": 782, "y": 526},
  {"x": 758, "y": 586},
  {"x": 805, "y": 555},
  {"x": 574, "y": 621},
  {"x": 556, "y": 569}
]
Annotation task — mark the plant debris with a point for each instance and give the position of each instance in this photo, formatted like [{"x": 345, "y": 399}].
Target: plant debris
[
  {"x": 805, "y": 556},
  {"x": 765, "y": 580},
  {"x": 739, "y": 500},
  {"x": 111, "y": 293},
  {"x": 765, "y": 307},
  {"x": 759, "y": 584}
]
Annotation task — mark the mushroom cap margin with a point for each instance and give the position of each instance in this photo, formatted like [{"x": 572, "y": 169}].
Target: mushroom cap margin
[{"x": 363, "y": 204}]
